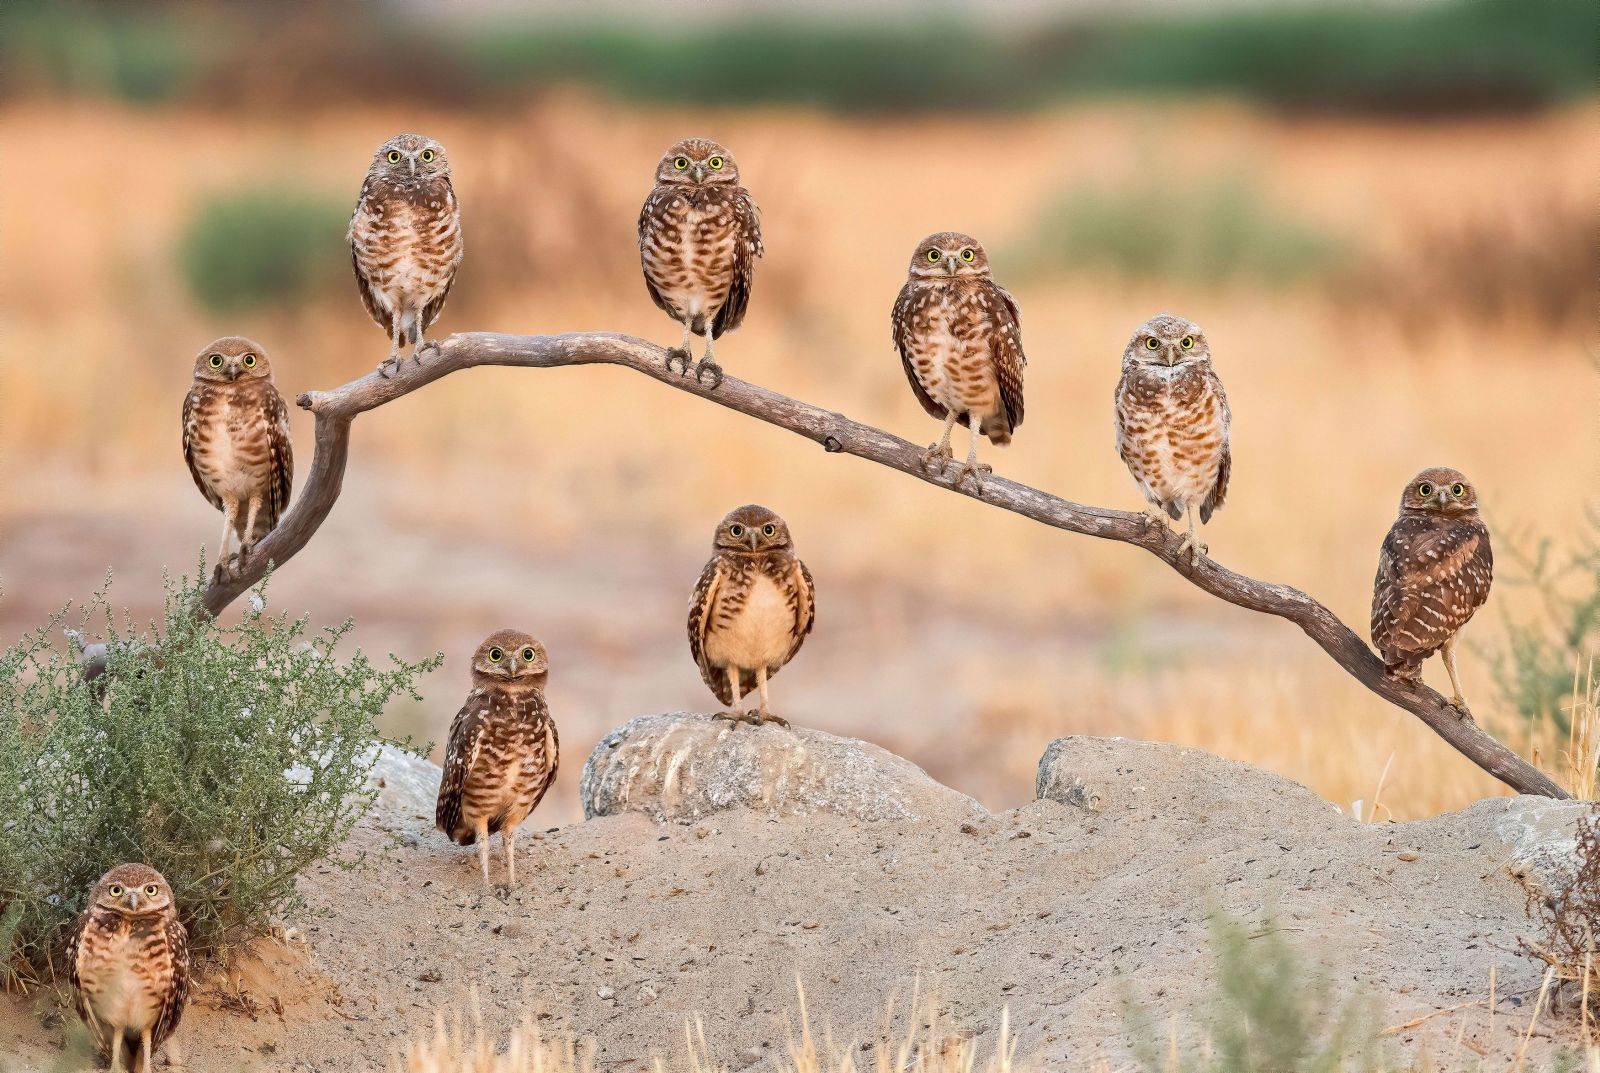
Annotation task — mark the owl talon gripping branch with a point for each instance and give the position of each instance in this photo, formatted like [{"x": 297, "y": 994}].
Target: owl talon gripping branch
[
  {"x": 678, "y": 359},
  {"x": 707, "y": 367}
]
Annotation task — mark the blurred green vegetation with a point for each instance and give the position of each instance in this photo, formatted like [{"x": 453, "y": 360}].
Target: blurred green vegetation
[
  {"x": 1420, "y": 58},
  {"x": 263, "y": 246},
  {"x": 1206, "y": 230}
]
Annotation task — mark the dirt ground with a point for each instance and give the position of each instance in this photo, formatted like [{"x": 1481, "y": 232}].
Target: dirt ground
[{"x": 621, "y": 929}]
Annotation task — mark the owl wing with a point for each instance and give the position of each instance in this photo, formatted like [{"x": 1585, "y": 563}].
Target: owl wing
[
  {"x": 280, "y": 461},
  {"x": 803, "y": 597},
  {"x": 900, "y": 321},
  {"x": 552, "y": 753},
  {"x": 700, "y": 608},
  {"x": 747, "y": 249},
  {"x": 192, "y": 406},
  {"x": 1219, "y": 491},
  {"x": 451, "y": 236},
  {"x": 649, "y": 218},
  {"x": 362, "y": 231},
  {"x": 1006, "y": 351},
  {"x": 461, "y": 753},
  {"x": 1431, "y": 580},
  {"x": 74, "y": 945},
  {"x": 177, "y": 995}
]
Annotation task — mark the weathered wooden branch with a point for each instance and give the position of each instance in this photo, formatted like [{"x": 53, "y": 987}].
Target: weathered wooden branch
[{"x": 336, "y": 409}]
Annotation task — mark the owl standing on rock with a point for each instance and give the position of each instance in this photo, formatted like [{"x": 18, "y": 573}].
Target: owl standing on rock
[
  {"x": 699, "y": 240},
  {"x": 503, "y": 750},
  {"x": 960, "y": 340},
  {"x": 236, "y": 442},
  {"x": 1172, "y": 423},
  {"x": 1434, "y": 573},
  {"x": 751, "y": 610},
  {"x": 405, "y": 238},
  {"x": 128, "y": 964}
]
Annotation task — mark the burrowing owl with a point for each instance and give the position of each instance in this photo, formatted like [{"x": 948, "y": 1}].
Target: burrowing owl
[
  {"x": 751, "y": 610},
  {"x": 1434, "y": 572},
  {"x": 699, "y": 239},
  {"x": 503, "y": 749},
  {"x": 960, "y": 341},
  {"x": 405, "y": 237},
  {"x": 236, "y": 441},
  {"x": 1172, "y": 423},
  {"x": 128, "y": 963}
]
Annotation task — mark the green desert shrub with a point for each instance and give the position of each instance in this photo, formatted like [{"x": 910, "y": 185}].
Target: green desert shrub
[
  {"x": 263, "y": 246},
  {"x": 1270, "y": 1012},
  {"x": 230, "y": 758}
]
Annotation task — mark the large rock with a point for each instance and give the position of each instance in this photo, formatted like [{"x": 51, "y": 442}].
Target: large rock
[
  {"x": 1543, "y": 836},
  {"x": 681, "y": 766}
]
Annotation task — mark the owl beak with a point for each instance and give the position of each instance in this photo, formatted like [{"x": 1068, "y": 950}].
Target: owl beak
[
  {"x": 699, "y": 173},
  {"x": 131, "y": 900},
  {"x": 950, "y": 265},
  {"x": 751, "y": 537},
  {"x": 1443, "y": 496}
]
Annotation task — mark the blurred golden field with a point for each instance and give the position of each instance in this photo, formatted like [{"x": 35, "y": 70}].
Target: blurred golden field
[{"x": 579, "y": 503}]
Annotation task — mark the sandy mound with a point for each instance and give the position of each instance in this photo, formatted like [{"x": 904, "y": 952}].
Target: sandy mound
[{"x": 624, "y": 926}]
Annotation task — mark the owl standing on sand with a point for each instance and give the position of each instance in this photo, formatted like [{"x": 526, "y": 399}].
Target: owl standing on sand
[
  {"x": 236, "y": 441},
  {"x": 751, "y": 610},
  {"x": 1172, "y": 423},
  {"x": 1434, "y": 572},
  {"x": 128, "y": 964},
  {"x": 699, "y": 240},
  {"x": 503, "y": 750},
  {"x": 960, "y": 340},
  {"x": 405, "y": 239}
]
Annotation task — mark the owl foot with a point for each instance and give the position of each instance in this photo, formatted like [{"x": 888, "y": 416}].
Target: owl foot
[
  {"x": 678, "y": 356},
  {"x": 425, "y": 348},
  {"x": 711, "y": 369},
  {"x": 751, "y": 718},
  {"x": 1153, "y": 517},
  {"x": 1196, "y": 548},
  {"x": 976, "y": 470},
  {"x": 1459, "y": 703},
  {"x": 768, "y": 717},
  {"x": 937, "y": 453},
  {"x": 389, "y": 366}
]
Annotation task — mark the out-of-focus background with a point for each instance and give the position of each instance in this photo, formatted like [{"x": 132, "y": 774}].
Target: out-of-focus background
[{"x": 1382, "y": 214}]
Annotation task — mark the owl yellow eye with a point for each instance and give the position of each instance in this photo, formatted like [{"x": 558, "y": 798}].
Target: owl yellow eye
[
  {"x": 527, "y": 655},
  {"x": 427, "y": 156},
  {"x": 715, "y": 163},
  {"x": 1424, "y": 489},
  {"x": 736, "y": 530},
  {"x": 1187, "y": 342},
  {"x": 216, "y": 361},
  {"x": 769, "y": 529},
  {"x": 933, "y": 255},
  {"x": 1458, "y": 489},
  {"x": 394, "y": 156},
  {"x": 968, "y": 256},
  {"x": 1152, "y": 344},
  {"x": 495, "y": 655},
  {"x": 681, "y": 163},
  {"x": 151, "y": 890},
  {"x": 117, "y": 890},
  {"x": 249, "y": 361}
]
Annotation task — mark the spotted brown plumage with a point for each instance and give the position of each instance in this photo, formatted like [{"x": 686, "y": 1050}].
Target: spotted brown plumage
[
  {"x": 751, "y": 610},
  {"x": 236, "y": 441},
  {"x": 405, "y": 241},
  {"x": 1173, "y": 422},
  {"x": 1434, "y": 572},
  {"x": 128, "y": 965},
  {"x": 960, "y": 341},
  {"x": 699, "y": 240},
  {"x": 503, "y": 750}
]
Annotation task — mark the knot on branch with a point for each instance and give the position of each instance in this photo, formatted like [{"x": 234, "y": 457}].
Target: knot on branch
[{"x": 832, "y": 445}]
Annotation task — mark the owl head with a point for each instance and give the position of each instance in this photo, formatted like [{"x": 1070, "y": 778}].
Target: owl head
[
  {"x": 132, "y": 890},
  {"x": 231, "y": 358},
  {"x": 410, "y": 158},
  {"x": 510, "y": 657},
  {"x": 1168, "y": 340},
  {"x": 751, "y": 530},
  {"x": 697, "y": 162},
  {"x": 1439, "y": 490},
  {"x": 949, "y": 253}
]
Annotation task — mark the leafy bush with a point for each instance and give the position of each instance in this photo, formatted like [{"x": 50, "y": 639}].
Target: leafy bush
[
  {"x": 145, "y": 56},
  {"x": 263, "y": 246},
  {"x": 1198, "y": 230},
  {"x": 230, "y": 758},
  {"x": 1271, "y": 1014}
]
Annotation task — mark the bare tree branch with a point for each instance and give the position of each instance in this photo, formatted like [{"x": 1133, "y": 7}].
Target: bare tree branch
[{"x": 336, "y": 409}]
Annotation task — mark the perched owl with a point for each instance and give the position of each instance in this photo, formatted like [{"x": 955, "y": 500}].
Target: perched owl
[
  {"x": 960, "y": 341},
  {"x": 1172, "y": 423},
  {"x": 699, "y": 239},
  {"x": 503, "y": 748},
  {"x": 236, "y": 441},
  {"x": 405, "y": 238},
  {"x": 1434, "y": 572},
  {"x": 751, "y": 610},
  {"x": 128, "y": 963}
]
